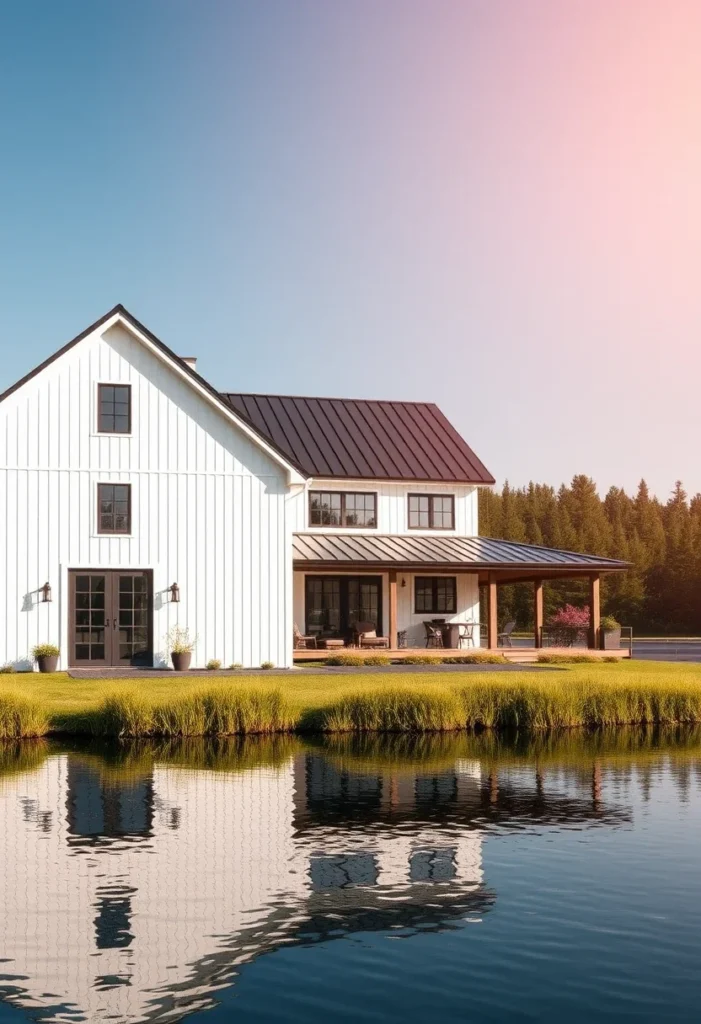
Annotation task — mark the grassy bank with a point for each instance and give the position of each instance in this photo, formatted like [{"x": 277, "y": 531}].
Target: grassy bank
[{"x": 576, "y": 695}]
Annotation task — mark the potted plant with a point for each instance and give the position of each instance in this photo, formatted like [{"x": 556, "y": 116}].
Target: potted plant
[
  {"x": 610, "y": 633},
  {"x": 46, "y": 656},
  {"x": 181, "y": 647}
]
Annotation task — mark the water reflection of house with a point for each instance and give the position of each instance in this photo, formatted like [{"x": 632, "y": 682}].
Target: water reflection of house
[{"x": 137, "y": 901}]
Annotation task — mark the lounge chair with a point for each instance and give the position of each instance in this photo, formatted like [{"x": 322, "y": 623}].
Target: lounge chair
[
  {"x": 301, "y": 641},
  {"x": 366, "y": 635}
]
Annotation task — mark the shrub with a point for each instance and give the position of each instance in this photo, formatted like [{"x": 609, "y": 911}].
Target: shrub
[
  {"x": 213, "y": 664},
  {"x": 345, "y": 659},
  {"x": 178, "y": 640},
  {"x": 377, "y": 659},
  {"x": 568, "y": 624},
  {"x": 267, "y": 665},
  {"x": 21, "y": 717},
  {"x": 474, "y": 659},
  {"x": 420, "y": 659},
  {"x": 236, "y": 666},
  {"x": 45, "y": 651},
  {"x": 569, "y": 659},
  {"x": 7, "y": 670},
  {"x": 609, "y": 622}
]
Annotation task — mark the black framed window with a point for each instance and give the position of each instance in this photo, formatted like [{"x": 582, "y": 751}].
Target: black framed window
[
  {"x": 431, "y": 512},
  {"x": 114, "y": 508},
  {"x": 114, "y": 408},
  {"x": 338, "y": 508},
  {"x": 435, "y": 594}
]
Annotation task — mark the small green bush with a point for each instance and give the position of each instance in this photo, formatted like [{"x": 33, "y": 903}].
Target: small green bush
[
  {"x": 420, "y": 659},
  {"x": 473, "y": 659},
  {"x": 7, "y": 670},
  {"x": 236, "y": 666},
  {"x": 345, "y": 659},
  {"x": 377, "y": 659},
  {"x": 21, "y": 717},
  {"x": 45, "y": 651},
  {"x": 213, "y": 664},
  {"x": 267, "y": 665},
  {"x": 609, "y": 622},
  {"x": 567, "y": 659}
]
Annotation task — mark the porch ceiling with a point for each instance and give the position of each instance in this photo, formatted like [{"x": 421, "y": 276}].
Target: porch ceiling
[{"x": 510, "y": 561}]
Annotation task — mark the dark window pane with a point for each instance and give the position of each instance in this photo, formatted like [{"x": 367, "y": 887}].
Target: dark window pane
[
  {"x": 97, "y": 583},
  {"x": 97, "y": 600},
  {"x": 106, "y": 524},
  {"x": 125, "y": 618},
  {"x": 120, "y": 524},
  {"x": 121, "y": 424},
  {"x": 82, "y": 583},
  {"x": 125, "y": 584},
  {"x": 97, "y": 618},
  {"x": 82, "y": 618},
  {"x": 82, "y": 652},
  {"x": 140, "y": 583},
  {"x": 98, "y": 652},
  {"x": 125, "y": 651},
  {"x": 82, "y": 600}
]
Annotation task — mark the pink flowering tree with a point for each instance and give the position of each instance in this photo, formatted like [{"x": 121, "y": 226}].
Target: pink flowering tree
[{"x": 568, "y": 625}]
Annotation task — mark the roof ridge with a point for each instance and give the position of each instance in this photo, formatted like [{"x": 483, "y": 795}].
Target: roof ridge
[{"x": 328, "y": 398}]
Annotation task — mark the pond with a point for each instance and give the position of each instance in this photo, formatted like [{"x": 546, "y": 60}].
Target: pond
[{"x": 460, "y": 878}]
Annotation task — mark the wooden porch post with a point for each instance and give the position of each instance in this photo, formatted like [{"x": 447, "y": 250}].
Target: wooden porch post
[
  {"x": 492, "y": 628},
  {"x": 594, "y": 610},
  {"x": 393, "y": 609},
  {"x": 538, "y": 611}
]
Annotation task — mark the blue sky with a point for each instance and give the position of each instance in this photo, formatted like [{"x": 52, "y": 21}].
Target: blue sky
[{"x": 492, "y": 204}]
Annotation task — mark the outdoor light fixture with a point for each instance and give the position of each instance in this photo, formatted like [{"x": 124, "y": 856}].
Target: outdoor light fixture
[
  {"x": 46, "y": 592},
  {"x": 403, "y": 582},
  {"x": 174, "y": 593}
]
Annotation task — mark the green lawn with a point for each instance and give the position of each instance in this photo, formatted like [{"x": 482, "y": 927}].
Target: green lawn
[{"x": 60, "y": 695}]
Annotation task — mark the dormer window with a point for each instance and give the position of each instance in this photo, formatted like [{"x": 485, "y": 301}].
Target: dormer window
[
  {"x": 114, "y": 408},
  {"x": 431, "y": 512}
]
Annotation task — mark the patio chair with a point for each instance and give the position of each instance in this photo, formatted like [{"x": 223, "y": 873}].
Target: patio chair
[
  {"x": 504, "y": 638},
  {"x": 366, "y": 635},
  {"x": 466, "y": 634},
  {"x": 434, "y": 635},
  {"x": 301, "y": 641}
]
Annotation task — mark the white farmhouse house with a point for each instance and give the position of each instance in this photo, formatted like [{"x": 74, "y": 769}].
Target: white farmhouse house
[{"x": 134, "y": 496}]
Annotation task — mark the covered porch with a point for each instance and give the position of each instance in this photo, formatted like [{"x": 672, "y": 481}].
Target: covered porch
[{"x": 389, "y": 581}]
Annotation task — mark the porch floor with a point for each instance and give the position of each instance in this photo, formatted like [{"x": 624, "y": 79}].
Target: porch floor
[{"x": 521, "y": 655}]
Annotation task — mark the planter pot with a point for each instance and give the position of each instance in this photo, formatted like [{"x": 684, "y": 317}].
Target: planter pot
[
  {"x": 612, "y": 639},
  {"x": 181, "y": 662},
  {"x": 48, "y": 663}
]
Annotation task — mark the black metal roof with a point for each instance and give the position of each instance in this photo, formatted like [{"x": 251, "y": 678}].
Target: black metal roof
[
  {"x": 360, "y": 439},
  {"x": 466, "y": 553}
]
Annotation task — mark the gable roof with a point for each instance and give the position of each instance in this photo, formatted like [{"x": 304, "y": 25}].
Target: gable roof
[
  {"x": 119, "y": 312},
  {"x": 361, "y": 439}
]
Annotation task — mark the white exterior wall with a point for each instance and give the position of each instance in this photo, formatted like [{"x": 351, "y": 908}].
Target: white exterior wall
[
  {"x": 392, "y": 517},
  {"x": 392, "y": 506},
  {"x": 208, "y": 507}
]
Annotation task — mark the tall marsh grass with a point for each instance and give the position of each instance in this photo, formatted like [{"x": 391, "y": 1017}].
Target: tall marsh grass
[
  {"x": 219, "y": 711},
  {"x": 21, "y": 717}
]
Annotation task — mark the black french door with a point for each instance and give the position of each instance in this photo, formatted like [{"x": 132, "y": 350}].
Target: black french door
[
  {"x": 110, "y": 618},
  {"x": 334, "y": 603}
]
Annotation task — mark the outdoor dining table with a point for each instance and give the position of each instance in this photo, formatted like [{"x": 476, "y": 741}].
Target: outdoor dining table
[{"x": 451, "y": 632}]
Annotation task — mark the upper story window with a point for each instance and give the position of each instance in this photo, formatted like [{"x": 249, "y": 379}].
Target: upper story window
[
  {"x": 114, "y": 408},
  {"x": 338, "y": 508},
  {"x": 431, "y": 512},
  {"x": 114, "y": 508}
]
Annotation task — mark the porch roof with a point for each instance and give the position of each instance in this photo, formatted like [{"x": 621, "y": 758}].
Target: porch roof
[{"x": 419, "y": 552}]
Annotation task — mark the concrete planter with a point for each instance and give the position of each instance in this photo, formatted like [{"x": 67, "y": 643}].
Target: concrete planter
[
  {"x": 612, "y": 639},
  {"x": 48, "y": 663},
  {"x": 181, "y": 661}
]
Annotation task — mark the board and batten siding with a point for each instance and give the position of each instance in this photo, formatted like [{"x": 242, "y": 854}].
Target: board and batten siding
[
  {"x": 393, "y": 505},
  {"x": 208, "y": 507}
]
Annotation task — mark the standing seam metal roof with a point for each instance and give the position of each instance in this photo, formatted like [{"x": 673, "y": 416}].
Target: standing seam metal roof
[
  {"x": 360, "y": 439},
  {"x": 481, "y": 552}
]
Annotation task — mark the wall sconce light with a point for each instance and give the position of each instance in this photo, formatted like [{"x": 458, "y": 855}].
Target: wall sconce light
[
  {"x": 46, "y": 592},
  {"x": 403, "y": 582},
  {"x": 174, "y": 593}
]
